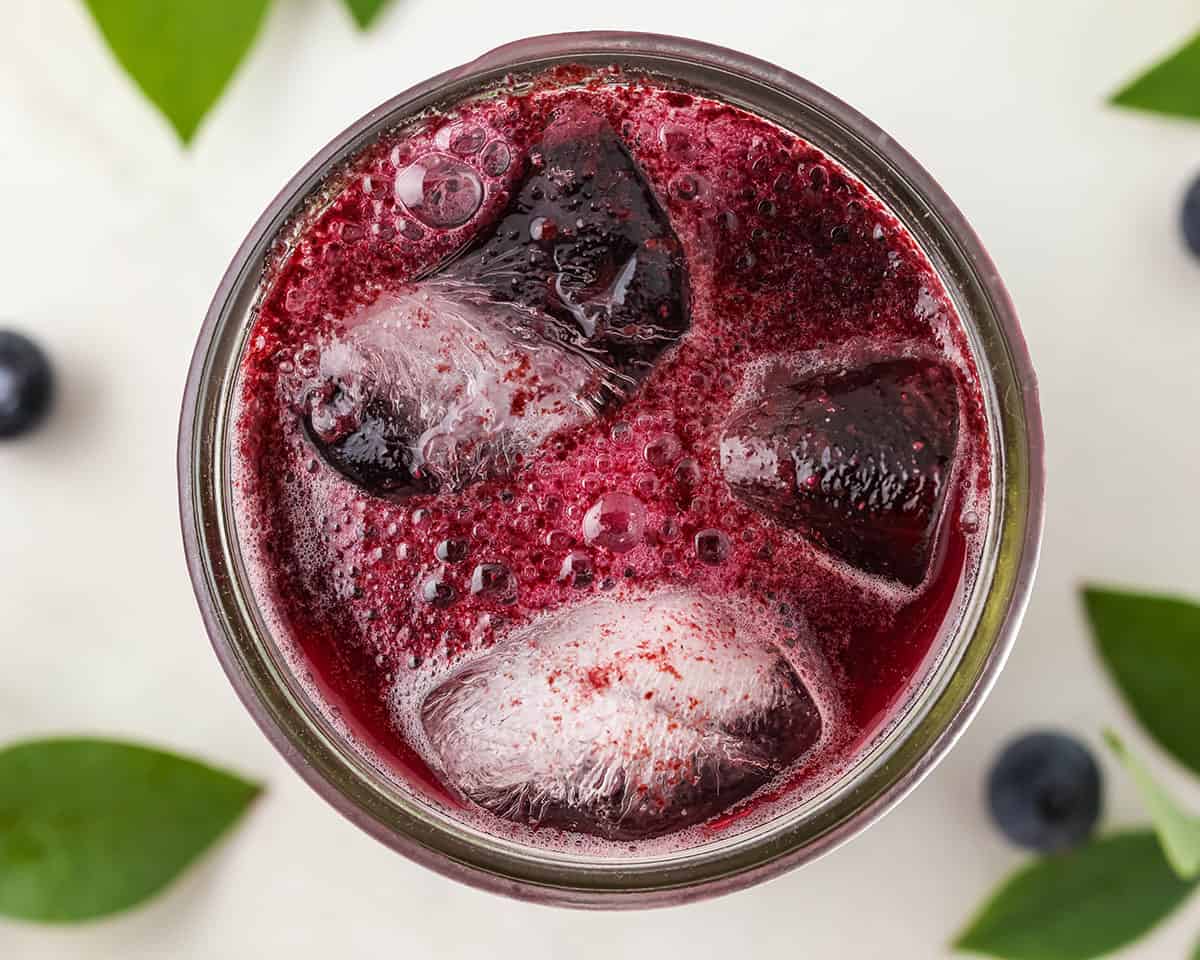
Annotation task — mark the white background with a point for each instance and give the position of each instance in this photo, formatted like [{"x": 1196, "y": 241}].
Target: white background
[{"x": 112, "y": 240}]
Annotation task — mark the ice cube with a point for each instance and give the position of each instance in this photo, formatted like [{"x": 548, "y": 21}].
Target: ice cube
[
  {"x": 586, "y": 240},
  {"x": 622, "y": 718},
  {"x": 556, "y": 312},
  {"x": 439, "y": 385},
  {"x": 856, "y": 459}
]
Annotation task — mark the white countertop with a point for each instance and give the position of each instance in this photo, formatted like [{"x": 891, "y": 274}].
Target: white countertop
[{"x": 113, "y": 240}]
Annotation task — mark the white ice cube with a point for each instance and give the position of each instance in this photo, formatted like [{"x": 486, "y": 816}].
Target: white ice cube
[{"x": 622, "y": 718}]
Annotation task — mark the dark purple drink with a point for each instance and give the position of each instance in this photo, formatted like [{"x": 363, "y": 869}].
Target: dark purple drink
[{"x": 611, "y": 460}]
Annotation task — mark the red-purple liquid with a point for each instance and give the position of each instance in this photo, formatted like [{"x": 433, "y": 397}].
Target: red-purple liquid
[{"x": 793, "y": 272}]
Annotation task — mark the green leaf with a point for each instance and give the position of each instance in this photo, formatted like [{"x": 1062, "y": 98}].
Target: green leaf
[
  {"x": 89, "y": 827},
  {"x": 1078, "y": 905},
  {"x": 1178, "y": 831},
  {"x": 180, "y": 52},
  {"x": 365, "y": 11},
  {"x": 1171, "y": 86},
  {"x": 1151, "y": 646}
]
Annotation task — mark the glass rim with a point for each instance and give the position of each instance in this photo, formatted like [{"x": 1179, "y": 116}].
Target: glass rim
[{"x": 936, "y": 715}]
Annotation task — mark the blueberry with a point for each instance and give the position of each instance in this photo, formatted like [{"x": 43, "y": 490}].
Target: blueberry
[
  {"x": 1044, "y": 792},
  {"x": 1190, "y": 218},
  {"x": 26, "y": 384}
]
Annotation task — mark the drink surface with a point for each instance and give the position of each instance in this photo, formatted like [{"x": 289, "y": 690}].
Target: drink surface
[{"x": 609, "y": 463}]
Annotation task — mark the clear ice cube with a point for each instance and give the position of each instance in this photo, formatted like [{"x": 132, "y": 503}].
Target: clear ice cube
[
  {"x": 586, "y": 240},
  {"x": 856, "y": 459}
]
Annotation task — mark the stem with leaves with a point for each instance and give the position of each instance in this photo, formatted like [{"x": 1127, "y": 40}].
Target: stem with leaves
[{"x": 1116, "y": 888}]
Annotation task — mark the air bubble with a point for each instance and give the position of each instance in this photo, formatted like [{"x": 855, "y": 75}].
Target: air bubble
[
  {"x": 465, "y": 141},
  {"x": 441, "y": 192},
  {"x": 687, "y": 473},
  {"x": 615, "y": 522},
  {"x": 577, "y": 569},
  {"x": 496, "y": 158},
  {"x": 662, "y": 451},
  {"x": 409, "y": 230},
  {"x": 494, "y": 581},
  {"x": 686, "y": 187},
  {"x": 646, "y": 484},
  {"x": 712, "y": 546},
  {"x": 437, "y": 592},
  {"x": 675, "y": 140},
  {"x": 452, "y": 550},
  {"x": 542, "y": 228}
]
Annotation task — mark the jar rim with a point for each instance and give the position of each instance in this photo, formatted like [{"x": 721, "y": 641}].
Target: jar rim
[{"x": 878, "y": 779}]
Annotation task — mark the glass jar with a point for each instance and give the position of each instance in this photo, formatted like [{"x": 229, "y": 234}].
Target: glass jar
[{"x": 946, "y": 697}]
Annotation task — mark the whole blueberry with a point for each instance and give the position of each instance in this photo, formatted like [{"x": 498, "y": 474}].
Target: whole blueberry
[
  {"x": 1190, "y": 217},
  {"x": 26, "y": 384},
  {"x": 1044, "y": 792}
]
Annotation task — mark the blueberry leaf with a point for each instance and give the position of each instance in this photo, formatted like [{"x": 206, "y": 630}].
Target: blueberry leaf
[
  {"x": 1178, "y": 831},
  {"x": 365, "y": 11},
  {"x": 180, "y": 53},
  {"x": 1151, "y": 646},
  {"x": 1171, "y": 86},
  {"x": 1078, "y": 905},
  {"x": 89, "y": 827}
]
